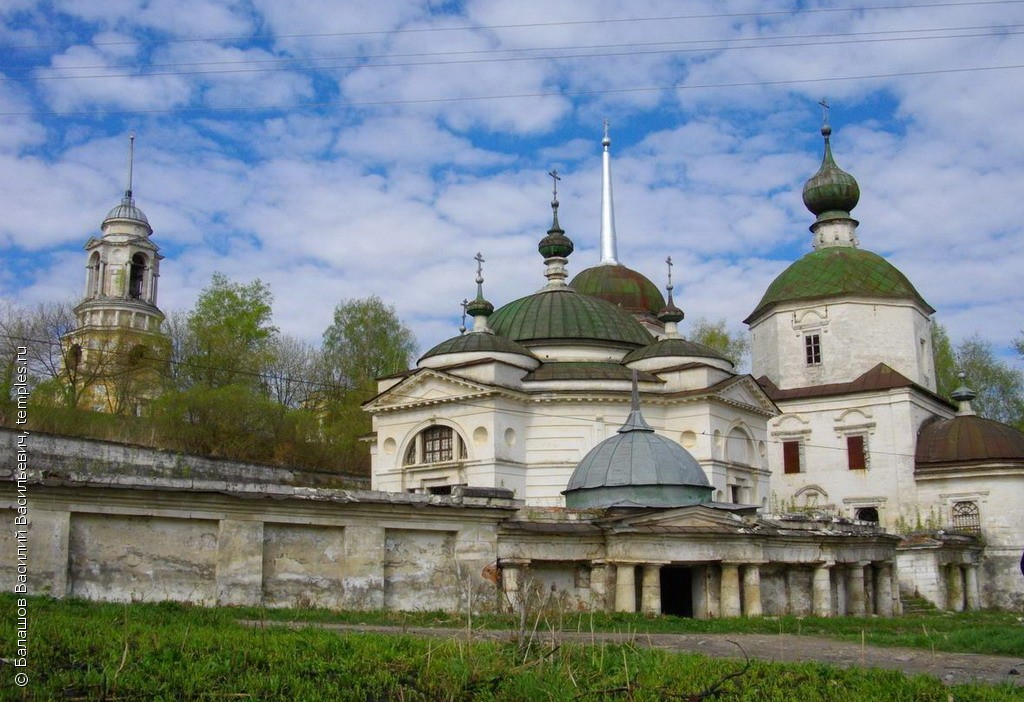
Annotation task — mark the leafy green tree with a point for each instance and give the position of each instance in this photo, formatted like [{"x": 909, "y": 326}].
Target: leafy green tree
[
  {"x": 366, "y": 341},
  {"x": 229, "y": 335},
  {"x": 735, "y": 346},
  {"x": 999, "y": 387}
]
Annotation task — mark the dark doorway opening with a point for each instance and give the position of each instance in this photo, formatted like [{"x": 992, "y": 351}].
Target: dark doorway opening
[{"x": 677, "y": 591}]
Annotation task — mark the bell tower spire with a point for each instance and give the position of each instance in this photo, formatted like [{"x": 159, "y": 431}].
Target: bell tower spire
[{"x": 609, "y": 254}]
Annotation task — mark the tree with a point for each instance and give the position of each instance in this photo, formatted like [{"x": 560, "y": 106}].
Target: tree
[
  {"x": 294, "y": 373},
  {"x": 717, "y": 336},
  {"x": 366, "y": 341},
  {"x": 229, "y": 335},
  {"x": 999, "y": 388}
]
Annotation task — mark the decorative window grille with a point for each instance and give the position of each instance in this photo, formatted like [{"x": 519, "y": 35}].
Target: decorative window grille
[{"x": 966, "y": 517}]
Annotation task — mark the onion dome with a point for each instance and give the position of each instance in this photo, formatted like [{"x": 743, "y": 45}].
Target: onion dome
[
  {"x": 637, "y": 468},
  {"x": 838, "y": 272},
  {"x": 558, "y": 313},
  {"x": 479, "y": 309},
  {"x": 620, "y": 286},
  {"x": 831, "y": 192},
  {"x": 556, "y": 244},
  {"x": 670, "y": 315}
]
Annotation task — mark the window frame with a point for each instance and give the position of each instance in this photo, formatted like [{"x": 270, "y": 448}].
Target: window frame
[{"x": 812, "y": 349}]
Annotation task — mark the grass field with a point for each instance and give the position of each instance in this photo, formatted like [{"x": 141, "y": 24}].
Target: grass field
[{"x": 88, "y": 651}]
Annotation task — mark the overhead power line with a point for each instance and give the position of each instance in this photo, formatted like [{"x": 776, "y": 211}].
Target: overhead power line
[
  {"x": 715, "y": 44},
  {"x": 509, "y": 96},
  {"x": 532, "y": 25},
  {"x": 628, "y": 50}
]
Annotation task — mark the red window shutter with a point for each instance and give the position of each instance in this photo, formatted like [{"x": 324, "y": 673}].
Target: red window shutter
[
  {"x": 791, "y": 456},
  {"x": 855, "y": 452}
]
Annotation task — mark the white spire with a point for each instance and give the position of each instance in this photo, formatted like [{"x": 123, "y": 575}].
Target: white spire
[{"x": 608, "y": 252}]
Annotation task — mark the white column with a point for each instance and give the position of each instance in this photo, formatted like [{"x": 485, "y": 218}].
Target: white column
[
  {"x": 650, "y": 594},
  {"x": 821, "y": 591},
  {"x": 954, "y": 588},
  {"x": 625, "y": 588},
  {"x": 973, "y": 591},
  {"x": 731, "y": 590},
  {"x": 855, "y": 589},
  {"x": 883, "y": 589},
  {"x": 752, "y": 590}
]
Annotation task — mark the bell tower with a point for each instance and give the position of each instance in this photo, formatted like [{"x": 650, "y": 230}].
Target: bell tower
[{"x": 117, "y": 341}]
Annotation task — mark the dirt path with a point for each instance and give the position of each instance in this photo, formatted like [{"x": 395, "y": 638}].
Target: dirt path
[{"x": 950, "y": 668}]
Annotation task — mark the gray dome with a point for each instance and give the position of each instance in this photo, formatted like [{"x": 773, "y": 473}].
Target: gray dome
[
  {"x": 637, "y": 468},
  {"x": 126, "y": 210}
]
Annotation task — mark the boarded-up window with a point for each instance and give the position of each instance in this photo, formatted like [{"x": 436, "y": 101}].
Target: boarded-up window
[
  {"x": 856, "y": 457},
  {"x": 791, "y": 456}
]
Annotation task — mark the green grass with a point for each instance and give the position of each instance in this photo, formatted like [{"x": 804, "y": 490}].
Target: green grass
[
  {"x": 92, "y": 651},
  {"x": 995, "y": 633}
]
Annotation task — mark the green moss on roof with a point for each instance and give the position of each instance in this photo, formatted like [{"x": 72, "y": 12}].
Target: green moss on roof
[
  {"x": 478, "y": 342},
  {"x": 620, "y": 286},
  {"x": 565, "y": 315},
  {"x": 838, "y": 272}
]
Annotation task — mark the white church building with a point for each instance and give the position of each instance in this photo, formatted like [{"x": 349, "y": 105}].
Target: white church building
[{"x": 842, "y": 421}]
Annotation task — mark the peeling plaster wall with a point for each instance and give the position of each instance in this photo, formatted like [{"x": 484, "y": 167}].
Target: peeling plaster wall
[
  {"x": 420, "y": 571},
  {"x": 127, "y": 558},
  {"x": 303, "y": 566}
]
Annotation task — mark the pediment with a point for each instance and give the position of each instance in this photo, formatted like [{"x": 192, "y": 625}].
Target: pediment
[
  {"x": 691, "y": 517},
  {"x": 427, "y": 387},
  {"x": 745, "y": 391}
]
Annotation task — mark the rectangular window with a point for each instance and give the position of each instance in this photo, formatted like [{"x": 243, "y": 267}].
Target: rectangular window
[
  {"x": 856, "y": 457},
  {"x": 812, "y": 349},
  {"x": 791, "y": 456}
]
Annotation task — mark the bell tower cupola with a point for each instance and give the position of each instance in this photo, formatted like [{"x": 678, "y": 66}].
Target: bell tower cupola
[{"x": 122, "y": 268}]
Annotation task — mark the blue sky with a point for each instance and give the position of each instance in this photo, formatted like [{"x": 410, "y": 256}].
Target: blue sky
[{"x": 342, "y": 149}]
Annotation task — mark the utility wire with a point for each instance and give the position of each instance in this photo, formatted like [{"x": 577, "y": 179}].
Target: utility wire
[
  {"x": 363, "y": 61},
  {"x": 512, "y": 96},
  {"x": 415, "y": 398},
  {"x": 531, "y": 25}
]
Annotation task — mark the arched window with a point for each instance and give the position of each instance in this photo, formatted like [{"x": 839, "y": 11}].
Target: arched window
[
  {"x": 868, "y": 514},
  {"x": 436, "y": 444},
  {"x": 137, "y": 275},
  {"x": 967, "y": 517},
  {"x": 74, "y": 356},
  {"x": 92, "y": 278}
]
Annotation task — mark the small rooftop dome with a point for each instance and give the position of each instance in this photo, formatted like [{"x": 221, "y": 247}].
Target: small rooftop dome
[{"x": 637, "y": 468}]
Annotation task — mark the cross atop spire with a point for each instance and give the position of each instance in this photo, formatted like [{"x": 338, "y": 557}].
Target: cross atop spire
[
  {"x": 462, "y": 327},
  {"x": 824, "y": 111},
  {"x": 554, "y": 186},
  {"x": 669, "y": 286},
  {"x": 607, "y": 141}
]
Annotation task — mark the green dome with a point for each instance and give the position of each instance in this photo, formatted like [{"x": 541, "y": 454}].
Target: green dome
[
  {"x": 673, "y": 347},
  {"x": 477, "y": 342},
  {"x": 563, "y": 314},
  {"x": 831, "y": 191},
  {"x": 838, "y": 272},
  {"x": 620, "y": 286}
]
